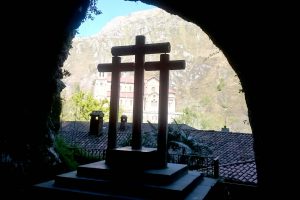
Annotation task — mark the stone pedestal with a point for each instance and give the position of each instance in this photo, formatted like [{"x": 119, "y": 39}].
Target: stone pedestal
[
  {"x": 99, "y": 181},
  {"x": 144, "y": 158}
]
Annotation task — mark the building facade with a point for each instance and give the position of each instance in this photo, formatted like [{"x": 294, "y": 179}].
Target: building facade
[{"x": 151, "y": 96}]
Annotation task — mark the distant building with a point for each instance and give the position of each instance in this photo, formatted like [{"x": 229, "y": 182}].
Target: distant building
[
  {"x": 151, "y": 96},
  {"x": 101, "y": 86}
]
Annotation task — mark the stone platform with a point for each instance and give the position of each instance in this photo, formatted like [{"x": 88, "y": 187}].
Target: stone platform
[{"x": 99, "y": 181}]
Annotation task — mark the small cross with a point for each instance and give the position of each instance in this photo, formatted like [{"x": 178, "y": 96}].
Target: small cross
[
  {"x": 116, "y": 68},
  {"x": 164, "y": 66}
]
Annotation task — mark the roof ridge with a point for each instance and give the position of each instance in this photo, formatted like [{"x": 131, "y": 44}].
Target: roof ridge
[{"x": 240, "y": 162}]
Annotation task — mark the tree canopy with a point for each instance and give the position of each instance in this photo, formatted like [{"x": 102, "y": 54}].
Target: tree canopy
[{"x": 80, "y": 106}]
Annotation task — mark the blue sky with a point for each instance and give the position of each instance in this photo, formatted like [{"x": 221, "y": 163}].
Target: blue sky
[{"x": 110, "y": 9}]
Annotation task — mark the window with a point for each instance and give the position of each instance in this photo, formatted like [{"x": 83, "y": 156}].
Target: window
[
  {"x": 154, "y": 118},
  {"x": 153, "y": 103},
  {"x": 101, "y": 74}
]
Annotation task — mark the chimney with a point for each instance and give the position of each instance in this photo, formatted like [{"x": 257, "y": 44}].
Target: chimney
[
  {"x": 123, "y": 123},
  {"x": 96, "y": 122},
  {"x": 225, "y": 129}
]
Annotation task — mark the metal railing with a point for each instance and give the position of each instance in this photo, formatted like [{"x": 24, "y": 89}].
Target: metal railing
[
  {"x": 205, "y": 164},
  {"x": 95, "y": 154}
]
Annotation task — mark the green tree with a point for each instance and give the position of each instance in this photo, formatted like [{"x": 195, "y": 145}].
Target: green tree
[
  {"x": 84, "y": 103},
  {"x": 179, "y": 141},
  {"x": 81, "y": 104},
  {"x": 189, "y": 117},
  {"x": 65, "y": 153}
]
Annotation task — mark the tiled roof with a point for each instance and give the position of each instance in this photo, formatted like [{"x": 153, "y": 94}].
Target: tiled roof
[
  {"x": 228, "y": 146},
  {"x": 79, "y": 129},
  {"x": 235, "y": 150},
  {"x": 241, "y": 171},
  {"x": 76, "y": 133}
]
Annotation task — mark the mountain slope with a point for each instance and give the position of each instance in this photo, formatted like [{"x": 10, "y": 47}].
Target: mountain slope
[{"x": 208, "y": 85}]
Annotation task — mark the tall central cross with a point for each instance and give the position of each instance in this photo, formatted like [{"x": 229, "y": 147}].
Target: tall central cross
[
  {"x": 139, "y": 50},
  {"x": 164, "y": 66}
]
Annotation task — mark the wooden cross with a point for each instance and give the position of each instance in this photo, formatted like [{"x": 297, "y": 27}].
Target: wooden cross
[
  {"x": 116, "y": 67},
  {"x": 164, "y": 65},
  {"x": 139, "y": 50}
]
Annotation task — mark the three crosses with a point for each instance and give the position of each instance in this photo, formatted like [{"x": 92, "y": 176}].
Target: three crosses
[{"x": 139, "y": 50}]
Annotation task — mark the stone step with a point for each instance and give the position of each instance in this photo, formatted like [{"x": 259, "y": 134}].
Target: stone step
[
  {"x": 189, "y": 187},
  {"x": 157, "y": 176},
  {"x": 49, "y": 190},
  {"x": 202, "y": 189}
]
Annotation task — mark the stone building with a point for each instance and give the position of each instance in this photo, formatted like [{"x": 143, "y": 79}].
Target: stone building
[{"x": 151, "y": 95}]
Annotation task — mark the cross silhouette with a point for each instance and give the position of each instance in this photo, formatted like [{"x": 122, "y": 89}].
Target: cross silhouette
[
  {"x": 136, "y": 156},
  {"x": 164, "y": 66},
  {"x": 116, "y": 67},
  {"x": 139, "y": 50}
]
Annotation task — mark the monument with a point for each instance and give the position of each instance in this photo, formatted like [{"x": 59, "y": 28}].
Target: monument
[{"x": 134, "y": 172}]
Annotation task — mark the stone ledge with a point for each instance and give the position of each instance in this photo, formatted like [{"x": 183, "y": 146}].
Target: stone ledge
[
  {"x": 71, "y": 183},
  {"x": 159, "y": 176}
]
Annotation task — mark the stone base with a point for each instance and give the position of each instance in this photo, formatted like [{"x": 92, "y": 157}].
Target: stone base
[
  {"x": 99, "y": 181},
  {"x": 157, "y": 176},
  {"x": 131, "y": 159}
]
